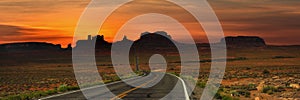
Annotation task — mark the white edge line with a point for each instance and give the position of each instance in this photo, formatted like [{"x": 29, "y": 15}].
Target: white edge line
[
  {"x": 70, "y": 92},
  {"x": 187, "y": 97}
]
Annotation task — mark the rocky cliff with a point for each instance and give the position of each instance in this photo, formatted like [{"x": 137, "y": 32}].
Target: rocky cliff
[{"x": 244, "y": 41}]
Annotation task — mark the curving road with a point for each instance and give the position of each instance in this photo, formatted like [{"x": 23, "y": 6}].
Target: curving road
[{"x": 144, "y": 90}]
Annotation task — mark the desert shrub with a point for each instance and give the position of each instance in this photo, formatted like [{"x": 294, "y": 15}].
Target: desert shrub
[
  {"x": 269, "y": 89},
  {"x": 107, "y": 81},
  {"x": 280, "y": 89},
  {"x": 226, "y": 97},
  {"x": 38, "y": 94},
  {"x": 251, "y": 87},
  {"x": 234, "y": 93},
  {"x": 266, "y": 72},
  {"x": 174, "y": 73},
  {"x": 201, "y": 84},
  {"x": 62, "y": 88},
  {"x": 73, "y": 88},
  {"x": 244, "y": 76},
  {"x": 105, "y": 76},
  {"x": 287, "y": 84},
  {"x": 244, "y": 87},
  {"x": 266, "y": 89},
  {"x": 50, "y": 92},
  {"x": 42, "y": 93},
  {"x": 26, "y": 96},
  {"x": 248, "y": 68},
  {"x": 140, "y": 73},
  {"x": 172, "y": 68},
  {"x": 239, "y": 93},
  {"x": 269, "y": 92},
  {"x": 244, "y": 93},
  {"x": 30, "y": 96},
  {"x": 241, "y": 58},
  {"x": 14, "y": 97},
  {"x": 218, "y": 96},
  {"x": 278, "y": 57},
  {"x": 115, "y": 78}
]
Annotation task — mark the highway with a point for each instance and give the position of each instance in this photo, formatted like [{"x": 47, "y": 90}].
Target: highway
[{"x": 149, "y": 87}]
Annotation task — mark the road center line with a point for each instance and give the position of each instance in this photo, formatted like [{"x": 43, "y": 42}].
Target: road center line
[{"x": 120, "y": 96}]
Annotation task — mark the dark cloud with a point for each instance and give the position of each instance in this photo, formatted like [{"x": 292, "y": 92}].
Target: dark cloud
[
  {"x": 40, "y": 6},
  {"x": 10, "y": 33},
  {"x": 9, "y": 30},
  {"x": 274, "y": 20}
]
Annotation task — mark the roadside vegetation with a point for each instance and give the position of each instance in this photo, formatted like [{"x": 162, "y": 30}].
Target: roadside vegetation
[{"x": 39, "y": 94}]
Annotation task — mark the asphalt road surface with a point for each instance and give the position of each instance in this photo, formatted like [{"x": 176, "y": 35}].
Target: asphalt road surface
[{"x": 169, "y": 87}]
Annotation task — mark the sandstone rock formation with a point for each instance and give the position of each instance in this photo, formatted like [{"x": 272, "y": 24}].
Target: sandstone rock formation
[{"x": 244, "y": 41}]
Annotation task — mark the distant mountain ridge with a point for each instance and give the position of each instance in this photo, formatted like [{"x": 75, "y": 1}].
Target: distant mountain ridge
[
  {"x": 30, "y": 46},
  {"x": 244, "y": 41},
  {"x": 238, "y": 41}
]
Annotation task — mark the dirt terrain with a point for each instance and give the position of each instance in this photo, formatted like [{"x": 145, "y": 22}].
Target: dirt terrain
[{"x": 263, "y": 73}]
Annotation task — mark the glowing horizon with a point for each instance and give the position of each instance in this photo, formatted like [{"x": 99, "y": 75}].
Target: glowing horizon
[{"x": 55, "y": 21}]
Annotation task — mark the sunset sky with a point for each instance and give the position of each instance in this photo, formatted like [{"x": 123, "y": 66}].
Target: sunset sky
[{"x": 54, "y": 21}]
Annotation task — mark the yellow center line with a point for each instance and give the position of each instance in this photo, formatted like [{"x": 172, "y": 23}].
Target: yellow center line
[
  {"x": 126, "y": 92},
  {"x": 121, "y": 96}
]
